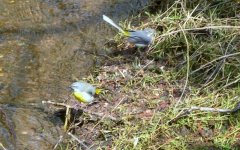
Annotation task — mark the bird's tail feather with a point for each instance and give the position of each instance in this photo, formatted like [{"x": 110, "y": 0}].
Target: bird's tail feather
[{"x": 108, "y": 20}]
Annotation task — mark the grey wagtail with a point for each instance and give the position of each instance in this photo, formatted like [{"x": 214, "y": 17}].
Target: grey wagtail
[
  {"x": 141, "y": 38},
  {"x": 84, "y": 92}
]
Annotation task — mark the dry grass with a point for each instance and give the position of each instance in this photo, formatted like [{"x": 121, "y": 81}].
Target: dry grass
[{"x": 194, "y": 61}]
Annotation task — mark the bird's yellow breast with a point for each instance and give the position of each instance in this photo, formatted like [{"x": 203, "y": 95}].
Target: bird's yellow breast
[{"x": 83, "y": 97}]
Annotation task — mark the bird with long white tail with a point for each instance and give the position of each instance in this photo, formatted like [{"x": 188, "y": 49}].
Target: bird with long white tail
[{"x": 141, "y": 38}]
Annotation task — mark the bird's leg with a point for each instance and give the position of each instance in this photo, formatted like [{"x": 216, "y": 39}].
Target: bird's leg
[{"x": 140, "y": 52}]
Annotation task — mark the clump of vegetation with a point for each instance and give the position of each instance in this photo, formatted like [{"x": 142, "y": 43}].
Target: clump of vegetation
[
  {"x": 198, "y": 43},
  {"x": 194, "y": 61},
  {"x": 201, "y": 42}
]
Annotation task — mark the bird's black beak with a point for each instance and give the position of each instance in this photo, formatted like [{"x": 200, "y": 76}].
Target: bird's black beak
[{"x": 69, "y": 89}]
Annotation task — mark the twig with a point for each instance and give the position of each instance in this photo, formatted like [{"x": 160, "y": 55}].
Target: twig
[
  {"x": 59, "y": 141},
  {"x": 68, "y": 110},
  {"x": 230, "y": 134},
  {"x": 188, "y": 69},
  {"x": 84, "y": 110},
  {"x": 79, "y": 141},
  {"x": 97, "y": 123},
  {"x": 118, "y": 104},
  {"x": 209, "y": 109},
  {"x": 143, "y": 68},
  {"x": 180, "y": 115},
  {"x": 190, "y": 15},
  {"x": 229, "y": 84},
  {"x": 67, "y": 118},
  {"x": 214, "y": 74},
  {"x": 58, "y": 104},
  {"x": 193, "y": 56},
  {"x": 194, "y": 29},
  {"x": 99, "y": 115},
  {"x": 186, "y": 111},
  {"x": 104, "y": 116},
  {"x": 202, "y": 28},
  {"x": 122, "y": 73},
  {"x": 216, "y": 59}
]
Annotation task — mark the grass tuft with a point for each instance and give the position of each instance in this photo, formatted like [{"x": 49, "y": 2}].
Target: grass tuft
[{"x": 194, "y": 61}]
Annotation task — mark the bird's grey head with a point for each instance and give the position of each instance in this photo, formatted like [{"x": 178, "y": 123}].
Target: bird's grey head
[
  {"x": 75, "y": 86},
  {"x": 150, "y": 32}
]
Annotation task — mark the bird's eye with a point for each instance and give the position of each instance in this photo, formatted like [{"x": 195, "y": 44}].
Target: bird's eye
[{"x": 89, "y": 92}]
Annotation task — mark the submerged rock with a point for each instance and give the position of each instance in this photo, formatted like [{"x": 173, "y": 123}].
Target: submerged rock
[{"x": 27, "y": 128}]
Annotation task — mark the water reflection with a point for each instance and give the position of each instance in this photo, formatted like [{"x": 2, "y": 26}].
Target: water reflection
[{"x": 43, "y": 44}]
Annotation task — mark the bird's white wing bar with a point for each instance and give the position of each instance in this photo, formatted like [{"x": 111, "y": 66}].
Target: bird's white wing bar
[{"x": 108, "y": 20}]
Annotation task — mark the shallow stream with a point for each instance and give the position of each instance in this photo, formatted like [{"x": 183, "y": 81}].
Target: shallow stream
[{"x": 44, "y": 46}]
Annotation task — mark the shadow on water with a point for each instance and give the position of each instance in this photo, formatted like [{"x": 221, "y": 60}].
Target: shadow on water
[{"x": 43, "y": 47}]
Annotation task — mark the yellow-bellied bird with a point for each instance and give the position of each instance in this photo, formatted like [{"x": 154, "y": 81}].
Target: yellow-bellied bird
[{"x": 84, "y": 92}]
